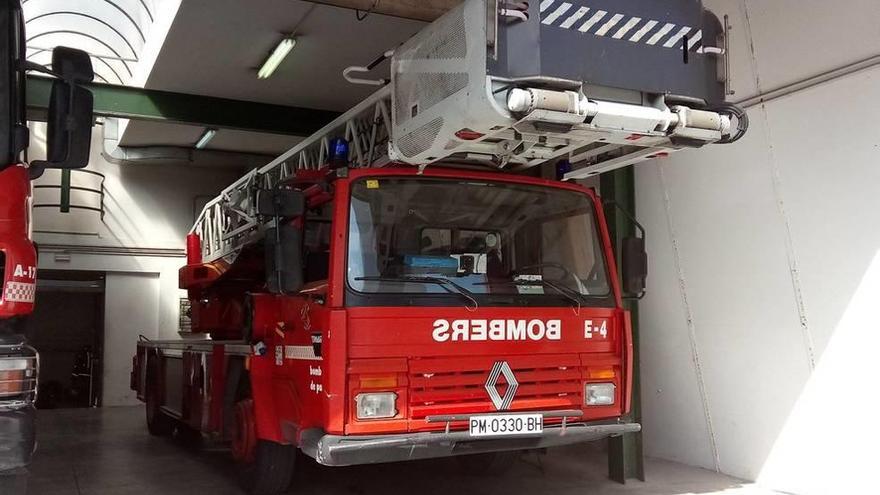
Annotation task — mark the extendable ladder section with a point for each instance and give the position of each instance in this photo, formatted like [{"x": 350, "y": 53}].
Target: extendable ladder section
[{"x": 230, "y": 221}]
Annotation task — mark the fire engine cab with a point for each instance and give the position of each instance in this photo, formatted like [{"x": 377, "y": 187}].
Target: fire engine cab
[{"x": 403, "y": 284}]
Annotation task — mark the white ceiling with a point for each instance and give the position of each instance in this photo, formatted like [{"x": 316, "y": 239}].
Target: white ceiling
[{"x": 214, "y": 47}]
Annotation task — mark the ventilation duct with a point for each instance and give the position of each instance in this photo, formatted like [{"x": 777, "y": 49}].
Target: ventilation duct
[{"x": 113, "y": 152}]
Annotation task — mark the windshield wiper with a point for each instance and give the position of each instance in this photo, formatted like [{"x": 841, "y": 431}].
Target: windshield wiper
[
  {"x": 572, "y": 295},
  {"x": 441, "y": 281}
]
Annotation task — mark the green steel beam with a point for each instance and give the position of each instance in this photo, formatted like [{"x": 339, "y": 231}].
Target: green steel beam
[
  {"x": 65, "y": 190},
  {"x": 625, "y": 457},
  {"x": 179, "y": 108}
]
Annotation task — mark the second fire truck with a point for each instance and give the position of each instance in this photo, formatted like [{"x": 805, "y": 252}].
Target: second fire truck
[{"x": 68, "y": 138}]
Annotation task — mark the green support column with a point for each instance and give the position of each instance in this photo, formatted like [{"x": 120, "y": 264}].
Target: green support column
[
  {"x": 625, "y": 457},
  {"x": 65, "y": 191}
]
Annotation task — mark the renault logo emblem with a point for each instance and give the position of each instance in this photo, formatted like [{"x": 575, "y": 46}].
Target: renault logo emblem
[{"x": 498, "y": 369}]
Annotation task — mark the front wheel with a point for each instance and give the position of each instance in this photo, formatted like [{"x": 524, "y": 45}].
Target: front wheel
[{"x": 272, "y": 469}]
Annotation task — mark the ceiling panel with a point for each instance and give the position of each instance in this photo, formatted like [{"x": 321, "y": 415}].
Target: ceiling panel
[
  {"x": 146, "y": 133},
  {"x": 214, "y": 48}
]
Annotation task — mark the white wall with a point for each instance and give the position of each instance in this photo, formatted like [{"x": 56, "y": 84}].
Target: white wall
[
  {"x": 759, "y": 323},
  {"x": 147, "y": 207},
  {"x": 132, "y": 301}
]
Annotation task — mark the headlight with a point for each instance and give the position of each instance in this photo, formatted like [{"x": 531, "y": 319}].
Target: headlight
[
  {"x": 376, "y": 405},
  {"x": 16, "y": 376},
  {"x": 599, "y": 394}
]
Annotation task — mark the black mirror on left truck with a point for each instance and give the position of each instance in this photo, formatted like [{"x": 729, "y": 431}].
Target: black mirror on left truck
[
  {"x": 69, "y": 129},
  {"x": 635, "y": 266}
]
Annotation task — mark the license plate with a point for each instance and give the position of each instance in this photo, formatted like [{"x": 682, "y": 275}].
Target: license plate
[{"x": 506, "y": 424}]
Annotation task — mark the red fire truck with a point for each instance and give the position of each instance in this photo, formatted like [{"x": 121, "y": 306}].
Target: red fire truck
[
  {"x": 435, "y": 311},
  {"x": 402, "y": 284},
  {"x": 69, "y": 130}
]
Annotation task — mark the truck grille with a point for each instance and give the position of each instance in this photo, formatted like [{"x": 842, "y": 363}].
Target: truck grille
[
  {"x": 438, "y": 387},
  {"x": 19, "y": 365}
]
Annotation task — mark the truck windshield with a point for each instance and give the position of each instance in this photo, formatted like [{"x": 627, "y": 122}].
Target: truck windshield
[{"x": 487, "y": 237}]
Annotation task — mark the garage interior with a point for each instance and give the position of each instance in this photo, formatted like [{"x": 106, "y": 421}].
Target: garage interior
[{"x": 754, "y": 337}]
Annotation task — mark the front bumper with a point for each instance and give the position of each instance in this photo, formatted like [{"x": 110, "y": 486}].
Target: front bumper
[
  {"x": 341, "y": 450},
  {"x": 17, "y": 436}
]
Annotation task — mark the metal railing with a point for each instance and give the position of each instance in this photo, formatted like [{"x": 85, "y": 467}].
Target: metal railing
[{"x": 64, "y": 204}]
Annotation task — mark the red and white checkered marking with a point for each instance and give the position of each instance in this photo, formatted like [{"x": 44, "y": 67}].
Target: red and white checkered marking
[{"x": 20, "y": 292}]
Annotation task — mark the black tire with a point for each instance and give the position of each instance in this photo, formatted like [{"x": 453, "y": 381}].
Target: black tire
[
  {"x": 188, "y": 437},
  {"x": 271, "y": 472},
  {"x": 158, "y": 423},
  {"x": 491, "y": 463}
]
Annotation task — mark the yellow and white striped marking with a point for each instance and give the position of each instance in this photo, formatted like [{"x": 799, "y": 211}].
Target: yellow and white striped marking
[
  {"x": 567, "y": 23},
  {"x": 608, "y": 25},
  {"x": 620, "y": 26},
  {"x": 592, "y": 21},
  {"x": 562, "y": 9},
  {"x": 627, "y": 27}
]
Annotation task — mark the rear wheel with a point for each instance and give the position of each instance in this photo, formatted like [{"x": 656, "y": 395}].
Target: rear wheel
[
  {"x": 491, "y": 463},
  {"x": 244, "y": 434},
  {"x": 272, "y": 469},
  {"x": 158, "y": 423}
]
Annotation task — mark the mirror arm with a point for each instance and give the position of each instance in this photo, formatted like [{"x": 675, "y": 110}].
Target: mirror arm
[
  {"x": 634, "y": 297},
  {"x": 641, "y": 231},
  {"x": 35, "y": 67},
  {"x": 627, "y": 214}
]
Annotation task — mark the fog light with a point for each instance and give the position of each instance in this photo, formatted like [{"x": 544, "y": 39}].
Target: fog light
[
  {"x": 376, "y": 405},
  {"x": 599, "y": 394}
]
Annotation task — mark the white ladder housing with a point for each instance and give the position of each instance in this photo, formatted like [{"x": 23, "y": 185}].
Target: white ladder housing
[
  {"x": 446, "y": 103},
  {"x": 230, "y": 221}
]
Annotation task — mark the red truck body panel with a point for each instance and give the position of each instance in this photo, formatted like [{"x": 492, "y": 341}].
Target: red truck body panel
[{"x": 20, "y": 257}]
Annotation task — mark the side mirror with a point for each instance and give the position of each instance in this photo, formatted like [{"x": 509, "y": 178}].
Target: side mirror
[
  {"x": 284, "y": 269},
  {"x": 69, "y": 128},
  {"x": 283, "y": 255},
  {"x": 634, "y": 261},
  {"x": 633, "y": 257},
  {"x": 284, "y": 203}
]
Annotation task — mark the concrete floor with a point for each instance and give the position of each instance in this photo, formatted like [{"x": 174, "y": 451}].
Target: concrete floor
[{"x": 108, "y": 451}]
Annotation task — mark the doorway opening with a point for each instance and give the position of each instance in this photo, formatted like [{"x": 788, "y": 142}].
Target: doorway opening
[{"x": 67, "y": 329}]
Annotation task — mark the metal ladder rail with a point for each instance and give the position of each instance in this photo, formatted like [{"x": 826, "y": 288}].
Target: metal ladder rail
[{"x": 229, "y": 222}]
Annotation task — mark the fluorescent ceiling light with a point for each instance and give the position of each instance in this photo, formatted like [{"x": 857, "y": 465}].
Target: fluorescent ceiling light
[
  {"x": 207, "y": 136},
  {"x": 274, "y": 60}
]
